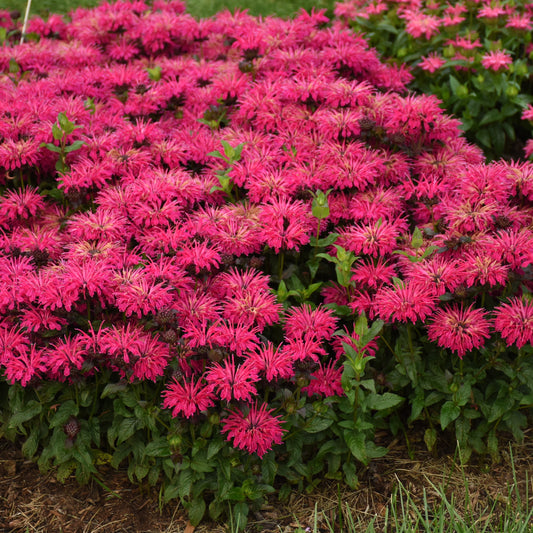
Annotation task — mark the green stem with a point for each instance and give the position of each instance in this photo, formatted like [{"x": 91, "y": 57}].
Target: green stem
[
  {"x": 390, "y": 348},
  {"x": 317, "y": 235},
  {"x": 281, "y": 261}
]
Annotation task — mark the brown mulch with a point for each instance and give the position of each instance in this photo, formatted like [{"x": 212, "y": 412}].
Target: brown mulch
[{"x": 33, "y": 502}]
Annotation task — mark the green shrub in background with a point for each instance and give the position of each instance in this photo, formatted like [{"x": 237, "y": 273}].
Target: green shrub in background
[{"x": 476, "y": 58}]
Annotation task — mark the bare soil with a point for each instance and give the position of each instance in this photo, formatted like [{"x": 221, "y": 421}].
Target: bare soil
[{"x": 33, "y": 502}]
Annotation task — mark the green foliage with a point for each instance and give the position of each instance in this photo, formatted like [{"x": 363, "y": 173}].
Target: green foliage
[{"x": 61, "y": 130}]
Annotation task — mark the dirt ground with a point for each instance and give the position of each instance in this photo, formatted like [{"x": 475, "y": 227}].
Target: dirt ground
[{"x": 32, "y": 502}]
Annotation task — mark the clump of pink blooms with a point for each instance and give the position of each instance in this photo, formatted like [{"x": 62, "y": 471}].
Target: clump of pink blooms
[{"x": 144, "y": 267}]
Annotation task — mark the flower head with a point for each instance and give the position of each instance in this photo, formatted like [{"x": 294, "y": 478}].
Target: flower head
[
  {"x": 256, "y": 431},
  {"x": 514, "y": 320},
  {"x": 459, "y": 329},
  {"x": 188, "y": 398},
  {"x": 496, "y": 60}
]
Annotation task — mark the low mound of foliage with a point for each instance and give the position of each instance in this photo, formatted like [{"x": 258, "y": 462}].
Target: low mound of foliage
[
  {"x": 475, "y": 56},
  {"x": 233, "y": 248}
]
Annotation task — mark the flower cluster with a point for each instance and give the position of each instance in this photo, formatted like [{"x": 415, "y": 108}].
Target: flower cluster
[
  {"x": 475, "y": 56},
  {"x": 152, "y": 256}
]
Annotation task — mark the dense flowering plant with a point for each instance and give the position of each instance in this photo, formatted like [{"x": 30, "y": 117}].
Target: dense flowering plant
[
  {"x": 247, "y": 231},
  {"x": 474, "y": 56}
]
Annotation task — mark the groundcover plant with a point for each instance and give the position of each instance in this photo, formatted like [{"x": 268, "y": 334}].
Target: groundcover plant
[{"x": 233, "y": 248}]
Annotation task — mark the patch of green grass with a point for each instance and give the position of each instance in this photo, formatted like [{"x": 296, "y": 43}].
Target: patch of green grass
[
  {"x": 438, "y": 510},
  {"x": 197, "y": 8}
]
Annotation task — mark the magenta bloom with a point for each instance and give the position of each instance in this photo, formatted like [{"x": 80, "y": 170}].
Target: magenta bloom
[
  {"x": 274, "y": 362},
  {"x": 432, "y": 62},
  {"x": 188, "y": 398},
  {"x": 496, "y": 60},
  {"x": 255, "y": 431},
  {"x": 459, "y": 329},
  {"x": 304, "y": 322},
  {"x": 514, "y": 320},
  {"x": 326, "y": 381},
  {"x": 406, "y": 303},
  {"x": 234, "y": 381}
]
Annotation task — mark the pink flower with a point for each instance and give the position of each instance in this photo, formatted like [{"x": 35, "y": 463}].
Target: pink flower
[
  {"x": 496, "y": 59},
  {"x": 187, "y": 398},
  {"x": 16, "y": 154},
  {"x": 304, "y": 322},
  {"x": 64, "y": 355},
  {"x": 404, "y": 303},
  {"x": 20, "y": 204},
  {"x": 233, "y": 381},
  {"x": 419, "y": 24},
  {"x": 514, "y": 320},
  {"x": 286, "y": 224},
  {"x": 238, "y": 338},
  {"x": 528, "y": 148},
  {"x": 256, "y": 431},
  {"x": 152, "y": 360},
  {"x": 38, "y": 319},
  {"x": 527, "y": 114},
  {"x": 375, "y": 239},
  {"x": 24, "y": 365},
  {"x": 373, "y": 273},
  {"x": 142, "y": 297},
  {"x": 259, "y": 308},
  {"x": 459, "y": 329},
  {"x": 326, "y": 381},
  {"x": 274, "y": 362},
  {"x": 432, "y": 62},
  {"x": 483, "y": 269}
]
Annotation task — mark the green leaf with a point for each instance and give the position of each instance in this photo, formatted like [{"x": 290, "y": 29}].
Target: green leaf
[
  {"x": 154, "y": 73},
  {"x": 64, "y": 412},
  {"x": 76, "y": 145},
  {"x": 51, "y": 147},
  {"x": 350, "y": 475},
  {"x": 141, "y": 471},
  {"x": 217, "y": 154},
  {"x": 158, "y": 448},
  {"x": 236, "y": 494},
  {"x": 14, "y": 67},
  {"x": 318, "y": 424},
  {"x": 57, "y": 132},
  {"x": 328, "y": 257},
  {"x": 112, "y": 388},
  {"x": 196, "y": 511},
  {"x": 171, "y": 492},
  {"x": 448, "y": 413},
  {"x": 454, "y": 84},
  {"x": 201, "y": 464},
  {"x": 32, "y": 409},
  {"x": 64, "y": 470},
  {"x": 356, "y": 444},
  {"x": 282, "y": 293},
  {"x": 493, "y": 115},
  {"x": 214, "y": 447},
  {"x": 325, "y": 241},
  {"x": 269, "y": 467},
  {"x": 186, "y": 479},
  {"x": 430, "y": 438},
  {"x": 417, "y": 240},
  {"x": 320, "y": 206},
  {"x": 31, "y": 444},
  {"x": 126, "y": 429},
  {"x": 380, "y": 402}
]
